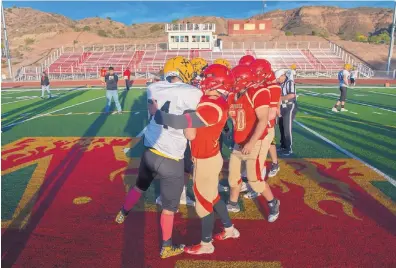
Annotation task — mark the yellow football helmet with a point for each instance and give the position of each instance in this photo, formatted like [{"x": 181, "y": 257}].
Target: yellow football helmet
[
  {"x": 180, "y": 67},
  {"x": 199, "y": 64},
  {"x": 293, "y": 66},
  {"x": 347, "y": 66},
  {"x": 224, "y": 62}
]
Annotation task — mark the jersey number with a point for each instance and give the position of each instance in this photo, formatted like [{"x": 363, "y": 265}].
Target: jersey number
[
  {"x": 240, "y": 122},
  {"x": 165, "y": 108}
]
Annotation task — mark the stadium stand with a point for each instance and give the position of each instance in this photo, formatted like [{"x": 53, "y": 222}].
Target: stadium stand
[{"x": 144, "y": 60}]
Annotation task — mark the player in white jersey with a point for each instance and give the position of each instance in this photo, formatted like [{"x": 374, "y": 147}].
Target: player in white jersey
[
  {"x": 165, "y": 146},
  {"x": 343, "y": 77}
]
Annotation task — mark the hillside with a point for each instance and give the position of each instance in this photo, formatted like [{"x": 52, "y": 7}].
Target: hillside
[{"x": 33, "y": 34}]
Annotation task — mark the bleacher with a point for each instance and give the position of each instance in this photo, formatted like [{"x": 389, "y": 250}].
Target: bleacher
[{"x": 145, "y": 59}]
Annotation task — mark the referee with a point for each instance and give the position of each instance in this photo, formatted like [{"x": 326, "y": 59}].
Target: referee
[{"x": 288, "y": 111}]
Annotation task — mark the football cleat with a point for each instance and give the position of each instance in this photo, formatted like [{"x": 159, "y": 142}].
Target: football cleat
[
  {"x": 172, "y": 250},
  {"x": 251, "y": 195},
  {"x": 232, "y": 208},
  {"x": 274, "y": 168},
  {"x": 274, "y": 211},
  {"x": 202, "y": 248},
  {"x": 287, "y": 152},
  {"x": 227, "y": 233},
  {"x": 343, "y": 110},
  {"x": 334, "y": 110}
]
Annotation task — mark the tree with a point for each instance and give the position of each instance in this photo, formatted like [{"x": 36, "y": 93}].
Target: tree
[
  {"x": 108, "y": 18},
  {"x": 122, "y": 33},
  {"x": 86, "y": 28},
  {"x": 314, "y": 33},
  {"x": 288, "y": 33},
  {"x": 155, "y": 28},
  {"x": 174, "y": 21},
  {"x": 29, "y": 41},
  {"x": 360, "y": 37},
  {"x": 102, "y": 33}
]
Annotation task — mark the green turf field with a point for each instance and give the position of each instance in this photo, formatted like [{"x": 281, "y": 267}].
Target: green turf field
[{"x": 367, "y": 130}]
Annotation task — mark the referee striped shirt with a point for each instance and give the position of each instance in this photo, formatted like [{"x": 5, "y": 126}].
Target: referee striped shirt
[{"x": 288, "y": 87}]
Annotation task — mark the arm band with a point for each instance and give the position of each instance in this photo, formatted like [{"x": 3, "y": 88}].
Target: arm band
[{"x": 189, "y": 120}]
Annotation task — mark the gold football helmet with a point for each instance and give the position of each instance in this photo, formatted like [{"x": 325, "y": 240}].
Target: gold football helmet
[
  {"x": 179, "y": 67},
  {"x": 347, "y": 66},
  {"x": 224, "y": 62},
  {"x": 293, "y": 66},
  {"x": 199, "y": 64}
]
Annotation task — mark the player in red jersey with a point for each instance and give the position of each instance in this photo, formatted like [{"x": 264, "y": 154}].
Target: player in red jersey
[
  {"x": 203, "y": 127},
  {"x": 266, "y": 77},
  {"x": 249, "y": 109}
]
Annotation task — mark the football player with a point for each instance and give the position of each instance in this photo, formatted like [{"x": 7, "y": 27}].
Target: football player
[
  {"x": 250, "y": 109},
  {"x": 203, "y": 128},
  {"x": 265, "y": 77},
  {"x": 246, "y": 60},
  {"x": 199, "y": 64},
  {"x": 165, "y": 147},
  {"x": 224, "y": 62},
  {"x": 343, "y": 77}
]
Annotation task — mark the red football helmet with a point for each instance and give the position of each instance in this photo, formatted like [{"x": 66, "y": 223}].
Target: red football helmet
[
  {"x": 244, "y": 77},
  {"x": 262, "y": 69},
  {"x": 217, "y": 77},
  {"x": 246, "y": 60}
]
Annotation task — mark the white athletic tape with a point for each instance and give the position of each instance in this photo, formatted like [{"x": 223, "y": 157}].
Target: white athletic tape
[{"x": 347, "y": 153}]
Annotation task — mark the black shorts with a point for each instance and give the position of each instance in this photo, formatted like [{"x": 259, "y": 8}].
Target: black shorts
[
  {"x": 352, "y": 80},
  {"x": 343, "y": 93},
  {"x": 170, "y": 173}
]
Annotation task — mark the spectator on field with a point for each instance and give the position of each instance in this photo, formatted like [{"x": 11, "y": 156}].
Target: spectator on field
[
  {"x": 111, "y": 80},
  {"x": 353, "y": 76},
  {"x": 103, "y": 74},
  {"x": 45, "y": 85},
  {"x": 127, "y": 78}
]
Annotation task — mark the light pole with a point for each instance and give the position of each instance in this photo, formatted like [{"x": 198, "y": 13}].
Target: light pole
[
  {"x": 392, "y": 37},
  {"x": 6, "y": 47}
]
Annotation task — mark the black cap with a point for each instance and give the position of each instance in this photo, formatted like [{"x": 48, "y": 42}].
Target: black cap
[{"x": 111, "y": 69}]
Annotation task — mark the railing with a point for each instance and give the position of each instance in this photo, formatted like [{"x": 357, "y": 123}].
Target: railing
[{"x": 190, "y": 27}]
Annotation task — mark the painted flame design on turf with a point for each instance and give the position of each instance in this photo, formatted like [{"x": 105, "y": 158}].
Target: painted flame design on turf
[
  {"x": 321, "y": 182},
  {"x": 31, "y": 148}
]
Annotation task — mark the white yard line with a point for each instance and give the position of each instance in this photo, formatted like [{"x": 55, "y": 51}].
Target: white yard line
[
  {"x": 40, "y": 115},
  {"x": 91, "y": 113},
  {"x": 62, "y": 89},
  {"x": 387, "y": 94},
  {"x": 346, "y": 152},
  {"x": 353, "y": 112},
  {"x": 18, "y": 101},
  {"x": 376, "y": 113},
  {"x": 337, "y": 86},
  {"x": 352, "y": 101},
  {"x": 69, "y": 113}
]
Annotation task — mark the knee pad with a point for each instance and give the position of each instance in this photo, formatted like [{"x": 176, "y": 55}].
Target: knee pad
[{"x": 143, "y": 184}]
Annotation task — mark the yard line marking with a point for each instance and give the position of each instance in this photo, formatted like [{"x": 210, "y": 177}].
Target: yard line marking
[
  {"x": 68, "y": 113},
  {"x": 17, "y": 101},
  {"x": 7, "y": 97},
  {"x": 41, "y": 115},
  {"x": 137, "y": 113},
  {"x": 91, "y": 113},
  {"x": 344, "y": 151},
  {"x": 359, "y": 95},
  {"x": 356, "y": 102},
  {"x": 306, "y": 113},
  {"x": 387, "y": 94},
  {"x": 353, "y": 112},
  {"x": 376, "y": 113}
]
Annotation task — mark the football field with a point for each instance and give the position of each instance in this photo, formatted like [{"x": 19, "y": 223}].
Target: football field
[{"x": 66, "y": 167}]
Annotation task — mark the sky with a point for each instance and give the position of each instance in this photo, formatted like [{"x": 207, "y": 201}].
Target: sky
[{"x": 130, "y": 12}]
